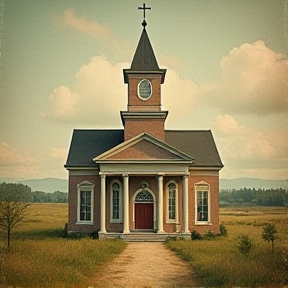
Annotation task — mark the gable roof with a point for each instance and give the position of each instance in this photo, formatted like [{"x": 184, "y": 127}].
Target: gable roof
[
  {"x": 198, "y": 143},
  {"x": 143, "y": 148},
  {"x": 88, "y": 144}
]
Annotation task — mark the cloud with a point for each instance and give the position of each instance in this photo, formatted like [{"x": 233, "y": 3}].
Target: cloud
[
  {"x": 58, "y": 154},
  {"x": 10, "y": 156},
  {"x": 254, "y": 81},
  {"x": 246, "y": 151},
  {"x": 83, "y": 25},
  {"x": 99, "y": 93}
]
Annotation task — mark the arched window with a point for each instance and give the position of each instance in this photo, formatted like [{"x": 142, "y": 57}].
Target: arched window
[
  {"x": 85, "y": 200},
  {"x": 116, "y": 202},
  {"x": 202, "y": 198},
  {"x": 144, "y": 196},
  {"x": 172, "y": 202}
]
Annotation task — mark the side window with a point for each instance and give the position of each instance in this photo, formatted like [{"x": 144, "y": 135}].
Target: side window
[
  {"x": 116, "y": 202},
  {"x": 85, "y": 199},
  {"x": 202, "y": 203},
  {"x": 172, "y": 201}
]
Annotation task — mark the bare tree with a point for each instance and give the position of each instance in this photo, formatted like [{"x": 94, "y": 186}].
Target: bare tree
[{"x": 13, "y": 202}]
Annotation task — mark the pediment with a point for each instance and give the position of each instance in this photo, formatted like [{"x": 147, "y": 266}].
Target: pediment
[{"x": 143, "y": 147}]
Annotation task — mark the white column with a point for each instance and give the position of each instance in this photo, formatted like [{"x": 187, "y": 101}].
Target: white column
[
  {"x": 126, "y": 203},
  {"x": 185, "y": 203},
  {"x": 103, "y": 204},
  {"x": 160, "y": 204}
]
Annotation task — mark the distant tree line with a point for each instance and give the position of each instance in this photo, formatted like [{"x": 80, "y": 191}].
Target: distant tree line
[
  {"x": 55, "y": 197},
  {"x": 259, "y": 197},
  {"x": 36, "y": 196}
]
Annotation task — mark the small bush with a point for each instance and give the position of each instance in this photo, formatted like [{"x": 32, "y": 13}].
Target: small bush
[
  {"x": 268, "y": 234},
  {"x": 210, "y": 235},
  {"x": 223, "y": 230},
  {"x": 195, "y": 235},
  {"x": 77, "y": 235},
  {"x": 244, "y": 244}
]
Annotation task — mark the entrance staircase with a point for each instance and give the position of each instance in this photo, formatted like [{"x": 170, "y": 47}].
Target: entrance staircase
[
  {"x": 143, "y": 237},
  {"x": 140, "y": 236}
]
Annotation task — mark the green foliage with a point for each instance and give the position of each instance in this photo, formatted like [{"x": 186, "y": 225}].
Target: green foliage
[
  {"x": 260, "y": 197},
  {"x": 223, "y": 230},
  {"x": 11, "y": 192},
  {"x": 210, "y": 235},
  {"x": 43, "y": 197},
  {"x": 244, "y": 244},
  {"x": 268, "y": 234},
  {"x": 195, "y": 235}
]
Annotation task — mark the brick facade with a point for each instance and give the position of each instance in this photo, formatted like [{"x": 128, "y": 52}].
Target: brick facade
[{"x": 134, "y": 186}]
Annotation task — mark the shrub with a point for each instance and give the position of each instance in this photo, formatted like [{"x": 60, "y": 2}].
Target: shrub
[
  {"x": 223, "y": 230},
  {"x": 244, "y": 244},
  {"x": 268, "y": 234},
  {"x": 195, "y": 235},
  {"x": 210, "y": 235}
]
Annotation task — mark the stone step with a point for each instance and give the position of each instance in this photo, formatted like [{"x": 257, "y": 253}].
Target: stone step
[{"x": 143, "y": 237}]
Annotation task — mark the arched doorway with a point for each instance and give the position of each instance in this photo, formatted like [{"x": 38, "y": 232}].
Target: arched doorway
[{"x": 144, "y": 210}]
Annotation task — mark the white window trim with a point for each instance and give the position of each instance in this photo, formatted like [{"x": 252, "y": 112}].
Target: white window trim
[
  {"x": 120, "y": 220},
  {"x": 138, "y": 92},
  {"x": 87, "y": 186},
  {"x": 154, "y": 205},
  {"x": 176, "y": 220},
  {"x": 203, "y": 186}
]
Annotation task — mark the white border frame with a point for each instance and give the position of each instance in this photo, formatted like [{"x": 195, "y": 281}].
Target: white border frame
[
  {"x": 203, "y": 186},
  {"x": 138, "y": 93},
  {"x": 120, "y": 220},
  {"x": 88, "y": 186},
  {"x": 176, "y": 220},
  {"x": 154, "y": 206}
]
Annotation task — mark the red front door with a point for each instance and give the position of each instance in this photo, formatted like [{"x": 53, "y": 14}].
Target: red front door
[{"x": 144, "y": 216}]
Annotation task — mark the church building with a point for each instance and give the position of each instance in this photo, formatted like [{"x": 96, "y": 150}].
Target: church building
[{"x": 143, "y": 181}]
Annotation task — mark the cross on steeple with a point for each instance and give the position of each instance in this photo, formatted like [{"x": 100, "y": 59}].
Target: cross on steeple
[{"x": 144, "y": 8}]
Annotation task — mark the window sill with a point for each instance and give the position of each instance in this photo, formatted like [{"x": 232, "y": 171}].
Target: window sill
[
  {"x": 203, "y": 223},
  {"x": 84, "y": 223},
  {"x": 116, "y": 221}
]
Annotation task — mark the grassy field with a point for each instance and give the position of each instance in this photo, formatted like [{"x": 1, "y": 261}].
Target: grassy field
[
  {"x": 40, "y": 257},
  {"x": 218, "y": 261}
]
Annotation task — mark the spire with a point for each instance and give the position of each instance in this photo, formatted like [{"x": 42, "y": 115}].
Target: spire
[{"x": 144, "y": 60}]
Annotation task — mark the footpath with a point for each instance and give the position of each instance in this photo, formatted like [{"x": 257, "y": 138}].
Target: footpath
[{"x": 146, "y": 264}]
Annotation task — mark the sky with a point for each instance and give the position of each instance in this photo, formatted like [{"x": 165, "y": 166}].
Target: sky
[{"x": 61, "y": 68}]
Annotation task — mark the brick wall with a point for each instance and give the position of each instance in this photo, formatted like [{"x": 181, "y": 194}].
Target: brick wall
[
  {"x": 134, "y": 185},
  {"x": 134, "y": 127}
]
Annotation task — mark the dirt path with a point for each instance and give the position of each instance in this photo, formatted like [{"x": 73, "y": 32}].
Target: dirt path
[{"x": 146, "y": 264}]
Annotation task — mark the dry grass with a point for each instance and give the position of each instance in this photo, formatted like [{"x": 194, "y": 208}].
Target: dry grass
[
  {"x": 41, "y": 258},
  {"x": 219, "y": 263}
]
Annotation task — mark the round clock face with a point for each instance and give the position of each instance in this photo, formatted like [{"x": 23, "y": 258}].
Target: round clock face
[{"x": 144, "y": 90}]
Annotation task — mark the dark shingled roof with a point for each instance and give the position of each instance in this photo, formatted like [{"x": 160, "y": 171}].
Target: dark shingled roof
[
  {"x": 87, "y": 144},
  {"x": 196, "y": 143},
  {"x": 144, "y": 59}
]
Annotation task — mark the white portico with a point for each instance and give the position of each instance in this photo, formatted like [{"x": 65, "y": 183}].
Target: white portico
[{"x": 119, "y": 162}]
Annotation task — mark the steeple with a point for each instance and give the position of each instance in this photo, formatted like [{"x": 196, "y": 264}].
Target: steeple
[
  {"x": 144, "y": 79},
  {"x": 144, "y": 60}
]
